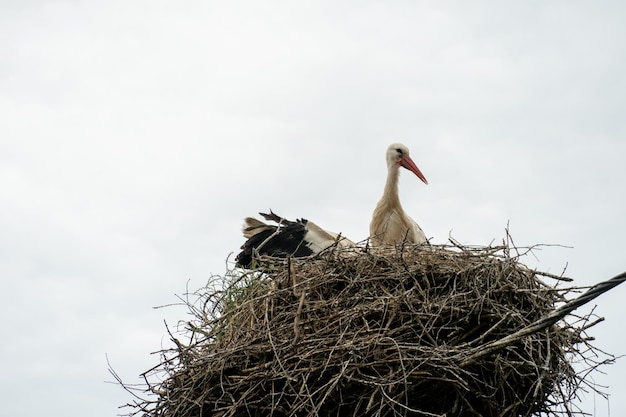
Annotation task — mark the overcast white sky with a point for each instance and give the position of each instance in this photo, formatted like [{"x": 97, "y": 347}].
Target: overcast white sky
[{"x": 136, "y": 135}]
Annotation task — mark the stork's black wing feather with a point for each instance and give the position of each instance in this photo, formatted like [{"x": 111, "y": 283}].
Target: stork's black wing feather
[{"x": 282, "y": 240}]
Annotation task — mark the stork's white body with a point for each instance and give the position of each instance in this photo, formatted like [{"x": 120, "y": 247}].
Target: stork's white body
[{"x": 390, "y": 225}]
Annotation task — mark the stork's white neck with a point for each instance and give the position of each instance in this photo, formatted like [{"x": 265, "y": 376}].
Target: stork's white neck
[{"x": 390, "y": 193}]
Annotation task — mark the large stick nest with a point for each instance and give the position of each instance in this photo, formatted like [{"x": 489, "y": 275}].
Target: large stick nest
[{"x": 401, "y": 333}]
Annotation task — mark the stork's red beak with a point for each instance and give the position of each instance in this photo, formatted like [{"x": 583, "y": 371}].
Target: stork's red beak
[{"x": 408, "y": 163}]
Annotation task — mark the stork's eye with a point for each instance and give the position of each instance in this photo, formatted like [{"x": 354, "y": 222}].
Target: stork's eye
[{"x": 399, "y": 151}]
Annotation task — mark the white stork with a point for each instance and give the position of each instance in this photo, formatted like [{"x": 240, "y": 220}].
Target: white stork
[
  {"x": 300, "y": 238},
  {"x": 390, "y": 224}
]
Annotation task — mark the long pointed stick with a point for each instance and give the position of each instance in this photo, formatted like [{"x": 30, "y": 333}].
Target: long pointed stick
[{"x": 545, "y": 321}]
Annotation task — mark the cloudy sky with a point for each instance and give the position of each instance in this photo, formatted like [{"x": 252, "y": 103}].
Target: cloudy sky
[{"x": 136, "y": 135}]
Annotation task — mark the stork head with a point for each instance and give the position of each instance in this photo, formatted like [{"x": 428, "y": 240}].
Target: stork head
[{"x": 398, "y": 156}]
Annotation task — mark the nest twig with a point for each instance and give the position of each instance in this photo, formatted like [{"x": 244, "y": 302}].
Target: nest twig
[{"x": 421, "y": 331}]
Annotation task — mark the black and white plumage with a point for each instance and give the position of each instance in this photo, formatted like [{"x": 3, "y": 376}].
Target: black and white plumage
[
  {"x": 390, "y": 225},
  {"x": 298, "y": 238}
]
